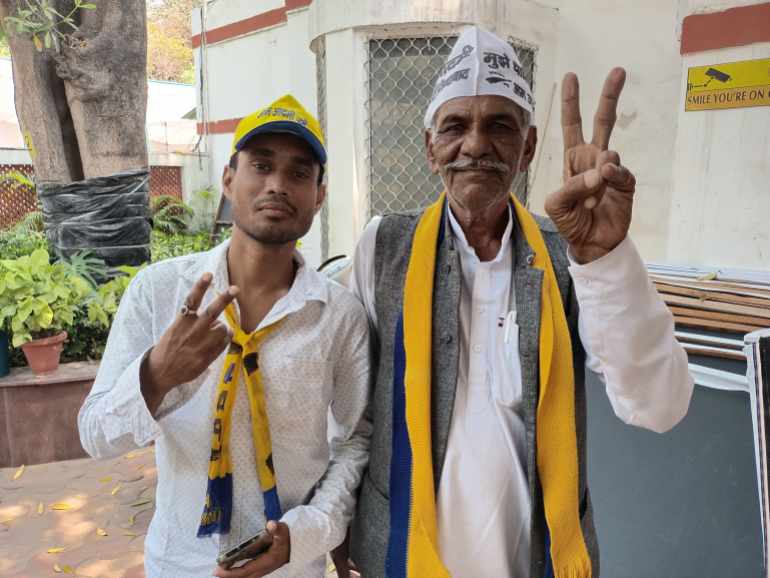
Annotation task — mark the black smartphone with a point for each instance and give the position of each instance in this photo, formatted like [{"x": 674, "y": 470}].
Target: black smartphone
[{"x": 247, "y": 550}]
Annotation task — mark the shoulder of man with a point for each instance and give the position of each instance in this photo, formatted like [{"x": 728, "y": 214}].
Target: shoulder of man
[
  {"x": 341, "y": 298},
  {"x": 557, "y": 246},
  {"x": 405, "y": 217}
]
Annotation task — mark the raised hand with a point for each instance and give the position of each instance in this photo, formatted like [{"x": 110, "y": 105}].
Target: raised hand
[
  {"x": 593, "y": 208},
  {"x": 188, "y": 346}
]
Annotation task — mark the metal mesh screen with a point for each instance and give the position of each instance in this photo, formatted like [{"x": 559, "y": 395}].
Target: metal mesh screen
[
  {"x": 401, "y": 73},
  {"x": 320, "y": 67},
  {"x": 16, "y": 200},
  {"x": 166, "y": 181}
]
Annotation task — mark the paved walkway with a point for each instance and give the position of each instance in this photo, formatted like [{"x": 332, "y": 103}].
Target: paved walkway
[
  {"x": 78, "y": 517},
  {"x": 84, "y": 518}
]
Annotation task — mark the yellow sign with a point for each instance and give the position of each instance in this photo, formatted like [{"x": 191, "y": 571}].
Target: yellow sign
[{"x": 731, "y": 85}]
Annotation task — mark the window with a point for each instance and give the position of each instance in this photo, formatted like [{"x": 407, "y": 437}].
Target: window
[{"x": 401, "y": 73}]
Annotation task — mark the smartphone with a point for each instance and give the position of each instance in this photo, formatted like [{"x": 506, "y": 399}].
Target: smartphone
[{"x": 247, "y": 550}]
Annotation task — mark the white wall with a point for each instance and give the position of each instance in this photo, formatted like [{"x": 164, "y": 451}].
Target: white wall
[
  {"x": 702, "y": 177},
  {"x": 641, "y": 37},
  {"x": 720, "y": 210}
]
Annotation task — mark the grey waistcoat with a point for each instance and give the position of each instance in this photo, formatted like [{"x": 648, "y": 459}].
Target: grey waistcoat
[{"x": 371, "y": 525}]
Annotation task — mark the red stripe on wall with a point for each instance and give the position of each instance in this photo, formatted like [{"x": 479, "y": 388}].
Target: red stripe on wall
[
  {"x": 220, "y": 126},
  {"x": 733, "y": 27},
  {"x": 258, "y": 22},
  {"x": 294, "y": 4}
]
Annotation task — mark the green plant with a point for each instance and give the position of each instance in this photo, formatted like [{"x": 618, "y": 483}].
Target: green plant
[
  {"x": 103, "y": 304},
  {"x": 170, "y": 214},
  {"x": 203, "y": 203},
  {"x": 165, "y": 246},
  {"x": 40, "y": 20},
  {"x": 88, "y": 266},
  {"x": 38, "y": 298},
  {"x": 16, "y": 243},
  {"x": 32, "y": 222},
  {"x": 85, "y": 342},
  {"x": 17, "y": 180}
]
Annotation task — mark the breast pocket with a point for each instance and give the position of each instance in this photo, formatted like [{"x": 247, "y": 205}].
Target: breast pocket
[{"x": 506, "y": 385}]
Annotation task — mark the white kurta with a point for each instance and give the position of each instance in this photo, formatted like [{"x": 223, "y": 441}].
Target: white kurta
[{"x": 483, "y": 503}]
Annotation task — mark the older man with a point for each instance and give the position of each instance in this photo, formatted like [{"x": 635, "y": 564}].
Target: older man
[{"x": 478, "y": 462}]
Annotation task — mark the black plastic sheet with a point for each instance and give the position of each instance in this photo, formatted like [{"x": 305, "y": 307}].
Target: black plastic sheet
[{"x": 108, "y": 216}]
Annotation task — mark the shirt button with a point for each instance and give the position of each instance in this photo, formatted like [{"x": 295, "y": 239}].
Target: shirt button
[{"x": 477, "y": 348}]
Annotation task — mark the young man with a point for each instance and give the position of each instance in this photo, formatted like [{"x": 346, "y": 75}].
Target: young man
[{"x": 231, "y": 361}]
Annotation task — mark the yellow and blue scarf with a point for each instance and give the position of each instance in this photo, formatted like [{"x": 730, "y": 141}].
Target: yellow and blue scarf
[
  {"x": 413, "y": 545},
  {"x": 242, "y": 359}
]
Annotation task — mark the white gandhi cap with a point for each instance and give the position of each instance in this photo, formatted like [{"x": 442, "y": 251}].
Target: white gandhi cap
[{"x": 480, "y": 64}]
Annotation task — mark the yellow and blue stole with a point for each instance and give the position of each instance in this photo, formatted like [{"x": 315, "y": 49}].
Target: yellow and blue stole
[
  {"x": 242, "y": 359},
  {"x": 413, "y": 550}
]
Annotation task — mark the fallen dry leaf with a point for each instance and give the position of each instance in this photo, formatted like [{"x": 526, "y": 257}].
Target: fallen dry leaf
[
  {"x": 18, "y": 473},
  {"x": 63, "y": 506},
  {"x": 130, "y": 534},
  {"x": 105, "y": 479},
  {"x": 65, "y": 569},
  {"x": 40, "y": 509},
  {"x": 101, "y": 532},
  {"x": 115, "y": 490},
  {"x": 130, "y": 455},
  {"x": 140, "y": 503},
  {"x": 132, "y": 517},
  {"x": 57, "y": 550}
]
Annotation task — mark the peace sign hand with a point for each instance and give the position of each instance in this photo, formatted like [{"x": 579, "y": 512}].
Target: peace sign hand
[
  {"x": 190, "y": 344},
  {"x": 593, "y": 209}
]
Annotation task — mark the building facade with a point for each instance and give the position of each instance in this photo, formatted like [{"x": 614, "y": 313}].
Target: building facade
[{"x": 366, "y": 67}]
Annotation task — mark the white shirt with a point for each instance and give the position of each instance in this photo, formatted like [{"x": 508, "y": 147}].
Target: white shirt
[
  {"x": 483, "y": 504},
  {"x": 315, "y": 369}
]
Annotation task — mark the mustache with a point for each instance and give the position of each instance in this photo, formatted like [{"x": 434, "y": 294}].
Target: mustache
[
  {"x": 275, "y": 200},
  {"x": 478, "y": 165}
]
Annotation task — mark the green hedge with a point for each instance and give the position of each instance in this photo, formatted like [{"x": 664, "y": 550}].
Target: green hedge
[{"x": 88, "y": 335}]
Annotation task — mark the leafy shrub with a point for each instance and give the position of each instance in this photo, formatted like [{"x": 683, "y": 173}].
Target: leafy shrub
[
  {"x": 38, "y": 298},
  {"x": 88, "y": 266},
  {"x": 165, "y": 246},
  {"x": 103, "y": 304},
  {"x": 170, "y": 214}
]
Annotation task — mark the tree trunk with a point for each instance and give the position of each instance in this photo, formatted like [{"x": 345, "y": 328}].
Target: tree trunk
[
  {"x": 83, "y": 111},
  {"x": 42, "y": 109},
  {"x": 105, "y": 77}
]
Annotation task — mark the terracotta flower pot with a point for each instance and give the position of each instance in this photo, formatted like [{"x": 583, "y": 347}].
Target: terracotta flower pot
[{"x": 43, "y": 354}]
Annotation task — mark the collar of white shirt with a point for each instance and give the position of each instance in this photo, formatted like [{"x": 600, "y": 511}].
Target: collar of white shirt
[
  {"x": 463, "y": 242},
  {"x": 308, "y": 285}
]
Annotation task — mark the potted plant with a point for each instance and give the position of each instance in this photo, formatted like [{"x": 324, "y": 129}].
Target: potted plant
[{"x": 39, "y": 299}]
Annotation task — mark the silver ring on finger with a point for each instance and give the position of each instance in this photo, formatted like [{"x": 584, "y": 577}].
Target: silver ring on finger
[{"x": 187, "y": 312}]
